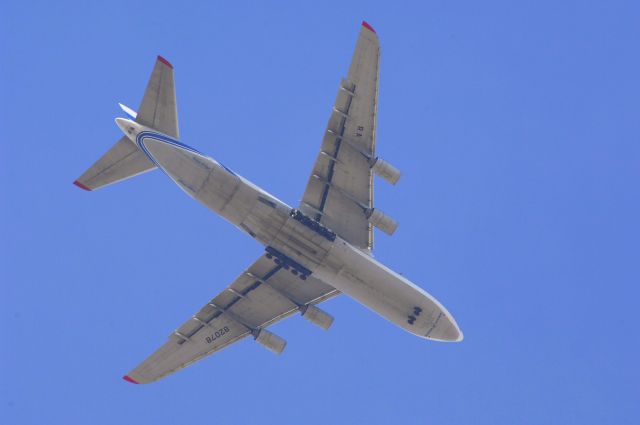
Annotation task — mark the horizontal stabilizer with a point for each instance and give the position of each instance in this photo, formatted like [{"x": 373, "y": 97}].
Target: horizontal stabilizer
[{"x": 122, "y": 161}]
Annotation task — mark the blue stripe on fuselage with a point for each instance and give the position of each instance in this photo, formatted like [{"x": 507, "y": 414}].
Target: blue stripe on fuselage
[{"x": 170, "y": 141}]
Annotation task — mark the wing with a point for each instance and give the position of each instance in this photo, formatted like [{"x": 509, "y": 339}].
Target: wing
[
  {"x": 340, "y": 190},
  {"x": 261, "y": 296}
]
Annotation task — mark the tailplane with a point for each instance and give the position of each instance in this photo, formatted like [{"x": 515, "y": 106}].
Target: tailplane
[
  {"x": 158, "y": 111},
  {"x": 122, "y": 161}
]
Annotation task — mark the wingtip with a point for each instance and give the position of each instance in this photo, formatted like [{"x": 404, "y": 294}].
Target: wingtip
[
  {"x": 81, "y": 186},
  {"x": 164, "y": 61},
  {"x": 369, "y": 27},
  {"x": 129, "y": 379}
]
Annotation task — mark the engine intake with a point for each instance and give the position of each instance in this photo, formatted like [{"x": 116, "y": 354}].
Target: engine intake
[
  {"x": 386, "y": 171},
  {"x": 382, "y": 221},
  {"x": 270, "y": 341},
  {"x": 317, "y": 317}
]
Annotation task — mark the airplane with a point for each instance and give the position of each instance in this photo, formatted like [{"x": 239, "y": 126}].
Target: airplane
[{"x": 312, "y": 253}]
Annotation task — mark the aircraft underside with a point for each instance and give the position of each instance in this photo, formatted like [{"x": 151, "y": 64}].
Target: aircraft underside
[
  {"x": 312, "y": 253},
  {"x": 299, "y": 243}
]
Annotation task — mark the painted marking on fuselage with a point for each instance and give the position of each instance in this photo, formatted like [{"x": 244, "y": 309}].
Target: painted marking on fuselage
[
  {"x": 162, "y": 138},
  {"x": 173, "y": 142}
]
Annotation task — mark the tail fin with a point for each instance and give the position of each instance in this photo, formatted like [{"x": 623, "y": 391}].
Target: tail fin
[{"x": 158, "y": 111}]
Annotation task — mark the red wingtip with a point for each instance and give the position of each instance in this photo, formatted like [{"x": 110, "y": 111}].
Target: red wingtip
[
  {"x": 128, "y": 379},
  {"x": 164, "y": 61},
  {"x": 369, "y": 27},
  {"x": 81, "y": 186}
]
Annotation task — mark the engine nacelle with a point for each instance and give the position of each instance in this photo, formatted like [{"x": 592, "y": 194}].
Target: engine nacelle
[
  {"x": 382, "y": 221},
  {"x": 386, "y": 171},
  {"x": 318, "y": 317},
  {"x": 270, "y": 341}
]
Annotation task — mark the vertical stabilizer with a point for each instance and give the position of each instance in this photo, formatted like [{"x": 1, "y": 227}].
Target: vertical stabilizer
[{"x": 158, "y": 109}]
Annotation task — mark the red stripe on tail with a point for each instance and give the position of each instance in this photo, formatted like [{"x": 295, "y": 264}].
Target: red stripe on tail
[
  {"x": 128, "y": 379},
  {"x": 81, "y": 186},
  {"x": 369, "y": 27},
  {"x": 164, "y": 61}
]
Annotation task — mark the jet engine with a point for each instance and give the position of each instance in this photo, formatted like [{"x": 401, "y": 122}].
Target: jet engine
[
  {"x": 317, "y": 317},
  {"x": 270, "y": 341},
  {"x": 385, "y": 170},
  {"x": 382, "y": 221}
]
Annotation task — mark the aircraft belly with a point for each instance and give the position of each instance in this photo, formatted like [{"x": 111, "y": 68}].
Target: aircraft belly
[
  {"x": 218, "y": 190},
  {"x": 388, "y": 294},
  {"x": 183, "y": 166},
  {"x": 201, "y": 177},
  {"x": 266, "y": 216},
  {"x": 302, "y": 244},
  {"x": 290, "y": 234},
  {"x": 238, "y": 201}
]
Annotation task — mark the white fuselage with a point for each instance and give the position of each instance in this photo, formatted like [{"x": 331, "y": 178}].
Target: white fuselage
[{"x": 295, "y": 240}]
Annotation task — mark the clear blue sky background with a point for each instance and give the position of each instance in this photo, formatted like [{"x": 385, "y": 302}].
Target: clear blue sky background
[{"x": 516, "y": 125}]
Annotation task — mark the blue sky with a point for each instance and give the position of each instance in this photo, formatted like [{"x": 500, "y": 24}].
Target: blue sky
[{"x": 516, "y": 126}]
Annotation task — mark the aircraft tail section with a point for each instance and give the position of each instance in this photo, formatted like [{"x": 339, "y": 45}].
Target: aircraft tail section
[{"x": 157, "y": 111}]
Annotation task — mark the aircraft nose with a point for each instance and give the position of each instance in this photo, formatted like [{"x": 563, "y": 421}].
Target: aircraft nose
[{"x": 446, "y": 330}]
